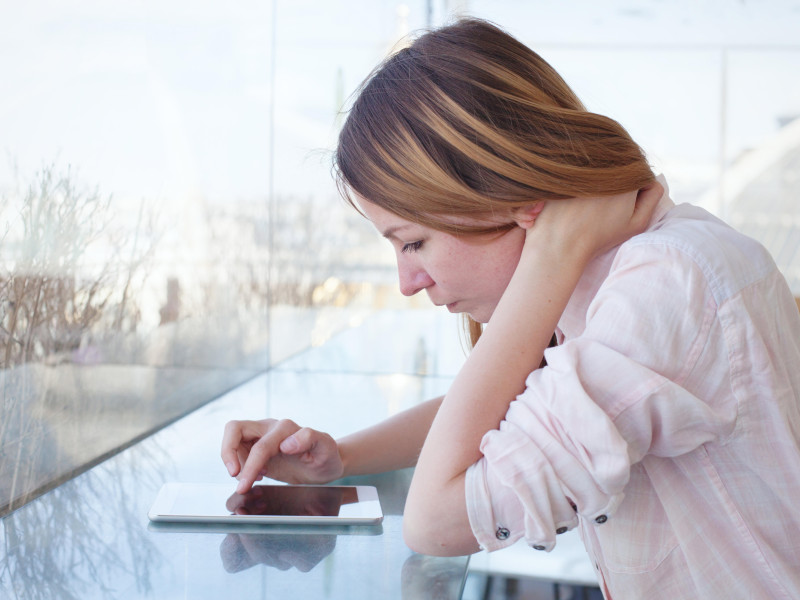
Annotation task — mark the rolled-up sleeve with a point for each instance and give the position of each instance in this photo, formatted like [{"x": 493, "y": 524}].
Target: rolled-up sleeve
[
  {"x": 535, "y": 476},
  {"x": 568, "y": 441}
]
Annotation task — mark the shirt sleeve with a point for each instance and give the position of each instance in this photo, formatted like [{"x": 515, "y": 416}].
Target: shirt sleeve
[{"x": 605, "y": 400}]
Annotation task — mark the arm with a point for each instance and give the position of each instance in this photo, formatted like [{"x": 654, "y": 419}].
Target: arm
[
  {"x": 282, "y": 450},
  {"x": 391, "y": 444},
  {"x": 645, "y": 377},
  {"x": 566, "y": 236}
]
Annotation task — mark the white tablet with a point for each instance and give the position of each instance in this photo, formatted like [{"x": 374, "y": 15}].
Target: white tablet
[{"x": 271, "y": 504}]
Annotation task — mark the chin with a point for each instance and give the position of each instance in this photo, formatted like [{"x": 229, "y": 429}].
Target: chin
[{"x": 478, "y": 317}]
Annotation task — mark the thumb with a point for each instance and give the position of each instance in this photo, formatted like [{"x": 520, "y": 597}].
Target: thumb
[{"x": 291, "y": 445}]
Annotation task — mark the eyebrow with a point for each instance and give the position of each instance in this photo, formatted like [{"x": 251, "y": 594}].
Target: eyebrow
[{"x": 390, "y": 233}]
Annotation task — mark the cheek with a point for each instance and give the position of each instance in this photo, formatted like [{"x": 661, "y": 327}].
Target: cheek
[
  {"x": 482, "y": 268},
  {"x": 504, "y": 263},
  {"x": 442, "y": 263}
]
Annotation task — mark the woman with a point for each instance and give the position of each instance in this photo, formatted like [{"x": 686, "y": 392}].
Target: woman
[{"x": 665, "y": 422}]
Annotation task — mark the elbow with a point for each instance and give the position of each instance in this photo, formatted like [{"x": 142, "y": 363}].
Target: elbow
[
  {"x": 437, "y": 529},
  {"x": 428, "y": 540},
  {"x": 422, "y": 540}
]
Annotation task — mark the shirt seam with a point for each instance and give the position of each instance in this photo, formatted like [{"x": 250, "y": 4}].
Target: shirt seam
[{"x": 736, "y": 516}]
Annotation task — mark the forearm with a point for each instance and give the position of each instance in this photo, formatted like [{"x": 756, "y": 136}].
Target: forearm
[
  {"x": 493, "y": 375},
  {"x": 391, "y": 444}
]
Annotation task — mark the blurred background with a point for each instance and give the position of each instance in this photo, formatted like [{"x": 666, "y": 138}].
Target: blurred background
[{"x": 169, "y": 227}]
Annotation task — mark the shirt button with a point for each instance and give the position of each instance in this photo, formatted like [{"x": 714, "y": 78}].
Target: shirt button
[
  {"x": 561, "y": 530},
  {"x": 538, "y": 547},
  {"x": 601, "y": 519},
  {"x": 502, "y": 533}
]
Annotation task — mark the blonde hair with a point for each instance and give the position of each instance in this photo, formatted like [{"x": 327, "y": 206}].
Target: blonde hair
[{"x": 469, "y": 122}]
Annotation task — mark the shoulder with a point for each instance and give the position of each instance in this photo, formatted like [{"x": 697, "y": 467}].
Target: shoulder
[{"x": 692, "y": 239}]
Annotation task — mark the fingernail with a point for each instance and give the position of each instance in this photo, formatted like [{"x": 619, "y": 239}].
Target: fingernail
[{"x": 231, "y": 468}]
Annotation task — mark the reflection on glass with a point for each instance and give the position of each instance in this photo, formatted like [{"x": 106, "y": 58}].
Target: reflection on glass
[
  {"x": 240, "y": 551},
  {"x": 65, "y": 293},
  {"x": 430, "y": 578},
  {"x": 87, "y": 536}
]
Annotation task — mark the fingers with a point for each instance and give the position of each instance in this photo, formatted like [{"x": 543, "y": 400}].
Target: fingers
[
  {"x": 299, "y": 442},
  {"x": 280, "y": 450},
  {"x": 238, "y": 439},
  {"x": 586, "y": 226},
  {"x": 646, "y": 202},
  {"x": 265, "y": 448},
  {"x": 317, "y": 452},
  {"x": 231, "y": 440}
]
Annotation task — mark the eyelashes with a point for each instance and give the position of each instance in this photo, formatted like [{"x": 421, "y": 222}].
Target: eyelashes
[{"x": 412, "y": 246}]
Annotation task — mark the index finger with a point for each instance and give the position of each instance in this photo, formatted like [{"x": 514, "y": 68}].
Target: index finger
[{"x": 267, "y": 447}]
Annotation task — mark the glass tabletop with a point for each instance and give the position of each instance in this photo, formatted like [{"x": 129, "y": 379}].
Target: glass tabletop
[{"x": 90, "y": 537}]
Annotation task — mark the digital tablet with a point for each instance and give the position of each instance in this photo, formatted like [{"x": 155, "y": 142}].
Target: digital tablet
[{"x": 268, "y": 504}]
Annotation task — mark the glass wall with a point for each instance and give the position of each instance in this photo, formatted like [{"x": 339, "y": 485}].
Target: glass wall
[
  {"x": 168, "y": 223},
  {"x": 709, "y": 89},
  {"x": 124, "y": 302}
]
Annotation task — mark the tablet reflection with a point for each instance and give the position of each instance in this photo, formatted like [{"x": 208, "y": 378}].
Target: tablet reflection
[{"x": 240, "y": 551}]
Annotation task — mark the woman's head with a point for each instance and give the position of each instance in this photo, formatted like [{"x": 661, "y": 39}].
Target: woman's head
[
  {"x": 466, "y": 273},
  {"x": 467, "y": 124}
]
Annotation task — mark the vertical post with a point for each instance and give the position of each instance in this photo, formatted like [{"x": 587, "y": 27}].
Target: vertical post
[
  {"x": 722, "y": 207},
  {"x": 271, "y": 211}
]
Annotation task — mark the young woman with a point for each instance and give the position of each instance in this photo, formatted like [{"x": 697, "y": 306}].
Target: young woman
[{"x": 665, "y": 421}]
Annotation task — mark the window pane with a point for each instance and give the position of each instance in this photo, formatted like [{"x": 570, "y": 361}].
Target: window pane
[
  {"x": 135, "y": 211},
  {"x": 170, "y": 227}
]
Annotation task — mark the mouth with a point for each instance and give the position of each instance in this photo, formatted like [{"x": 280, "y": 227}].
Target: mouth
[{"x": 451, "y": 306}]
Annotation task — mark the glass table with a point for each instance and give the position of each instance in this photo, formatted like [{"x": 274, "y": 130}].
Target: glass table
[{"x": 91, "y": 538}]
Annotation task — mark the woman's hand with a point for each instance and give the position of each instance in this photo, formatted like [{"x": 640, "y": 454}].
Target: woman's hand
[
  {"x": 279, "y": 449},
  {"x": 585, "y": 227}
]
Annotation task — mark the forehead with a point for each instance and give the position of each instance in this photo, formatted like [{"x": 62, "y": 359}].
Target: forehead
[
  {"x": 389, "y": 223},
  {"x": 386, "y": 222}
]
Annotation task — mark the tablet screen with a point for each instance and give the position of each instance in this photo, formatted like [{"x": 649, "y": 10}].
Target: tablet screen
[{"x": 316, "y": 501}]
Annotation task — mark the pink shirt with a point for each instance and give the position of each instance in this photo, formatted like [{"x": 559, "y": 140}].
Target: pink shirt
[{"x": 666, "y": 424}]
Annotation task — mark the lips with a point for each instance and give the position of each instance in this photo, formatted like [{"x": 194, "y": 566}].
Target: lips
[
  {"x": 448, "y": 305},
  {"x": 451, "y": 306}
]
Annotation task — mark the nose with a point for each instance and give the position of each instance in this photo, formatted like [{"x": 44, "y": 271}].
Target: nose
[{"x": 413, "y": 278}]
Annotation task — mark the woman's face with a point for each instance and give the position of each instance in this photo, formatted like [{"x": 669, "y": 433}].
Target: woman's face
[{"x": 468, "y": 274}]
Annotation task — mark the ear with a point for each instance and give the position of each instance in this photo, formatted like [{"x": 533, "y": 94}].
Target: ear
[{"x": 525, "y": 216}]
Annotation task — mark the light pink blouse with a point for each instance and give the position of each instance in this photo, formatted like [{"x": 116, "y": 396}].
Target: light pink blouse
[{"x": 666, "y": 424}]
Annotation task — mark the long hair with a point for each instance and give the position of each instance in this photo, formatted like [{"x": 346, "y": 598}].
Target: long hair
[{"x": 469, "y": 122}]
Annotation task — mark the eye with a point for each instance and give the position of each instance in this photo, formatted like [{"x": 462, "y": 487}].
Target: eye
[{"x": 412, "y": 246}]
